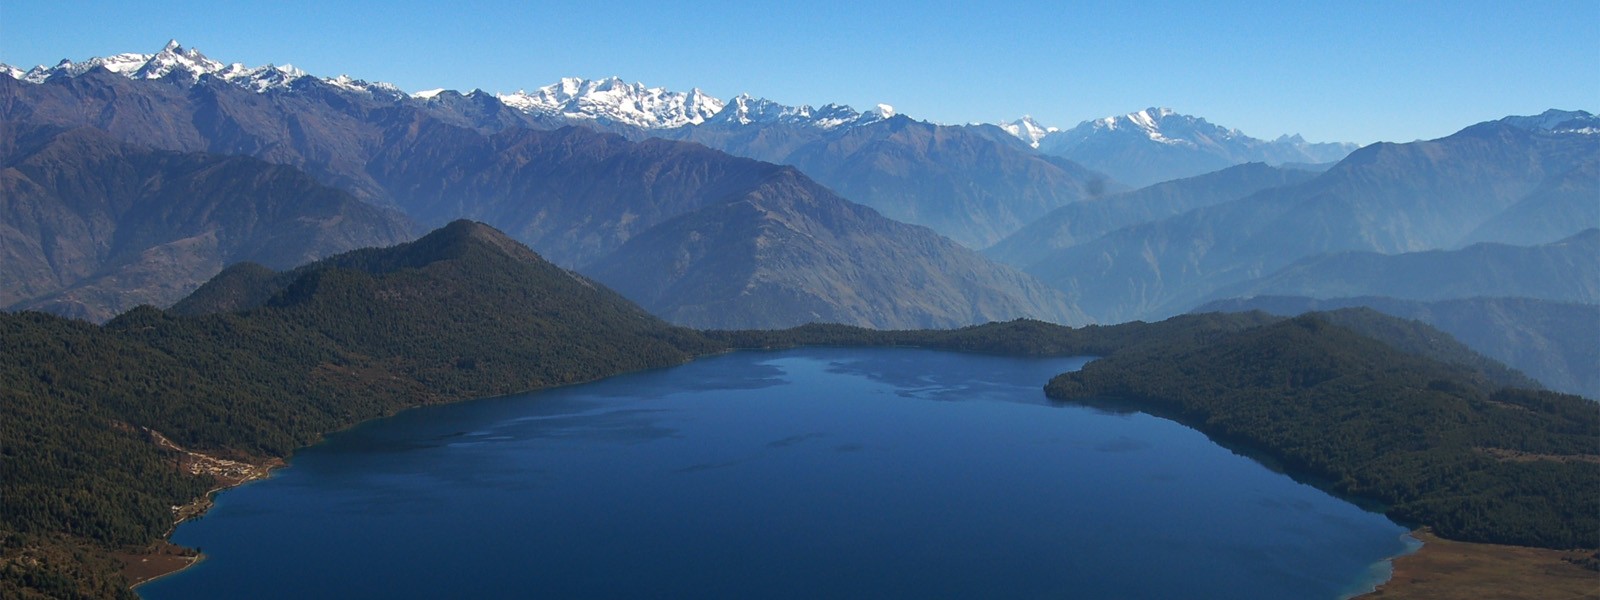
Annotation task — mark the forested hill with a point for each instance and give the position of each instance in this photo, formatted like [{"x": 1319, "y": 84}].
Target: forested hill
[
  {"x": 462, "y": 312},
  {"x": 258, "y": 363},
  {"x": 1438, "y": 444}
]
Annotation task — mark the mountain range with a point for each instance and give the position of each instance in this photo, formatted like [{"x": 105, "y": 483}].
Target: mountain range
[
  {"x": 596, "y": 176},
  {"x": 966, "y": 182},
  {"x": 1384, "y": 198},
  {"x": 572, "y": 193},
  {"x": 1159, "y": 144}
]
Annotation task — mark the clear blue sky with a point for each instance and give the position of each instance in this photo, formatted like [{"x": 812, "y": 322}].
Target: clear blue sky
[{"x": 1333, "y": 71}]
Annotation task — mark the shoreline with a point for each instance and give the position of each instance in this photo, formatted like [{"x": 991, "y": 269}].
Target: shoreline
[
  {"x": 1373, "y": 584},
  {"x": 189, "y": 561},
  {"x": 232, "y": 474},
  {"x": 1444, "y": 569},
  {"x": 1438, "y": 569},
  {"x": 173, "y": 558},
  {"x": 1418, "y": 573}
]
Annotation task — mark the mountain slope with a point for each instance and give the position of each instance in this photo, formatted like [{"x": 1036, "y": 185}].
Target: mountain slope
[
  {"x": 1434, "y": 443},
  {"x": 1561, "y": 206},
  {"x": 790, "y": 252},
  {"x": 969, "y": 185},
  {"x": 573, "y": 194},
  {"x": 1563, "y": 271},
  {"x": 966, "y": 184},
  {"x": 93, "y": 227},
  {"x": 1081, "y": 222},
  {"x": 462, "y": 312},
  {"x": 1553, "y": 342}
]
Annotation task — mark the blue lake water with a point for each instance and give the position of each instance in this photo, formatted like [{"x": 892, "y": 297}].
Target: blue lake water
[{"x": 822, "y": 472}]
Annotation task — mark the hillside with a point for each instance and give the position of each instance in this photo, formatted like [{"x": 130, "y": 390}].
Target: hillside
[
  {"x": 1435, "y": 444},
  {"x": 1561, "y": 271},
  {"x": 1083, "y": 222},
  {"x": 463, "y": 312},
  {"x": 1553, "y": 342},
  {"x": 577, "y": 195},
  {"x": 972, "y": 186},
  {"x": 94, "y": 227},
  {"x": 791, "y": 252}
]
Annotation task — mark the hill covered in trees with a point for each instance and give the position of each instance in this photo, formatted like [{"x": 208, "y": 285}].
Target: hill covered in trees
[
  {"x": 462, "y": 312},
  {"x": 1437, "y": 444}
]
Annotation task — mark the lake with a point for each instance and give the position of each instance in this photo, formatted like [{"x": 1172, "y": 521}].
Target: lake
[{"x": 819, "y": 472}]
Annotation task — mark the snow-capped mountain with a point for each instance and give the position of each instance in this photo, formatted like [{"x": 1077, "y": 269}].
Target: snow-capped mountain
[
  {"x": 1160, "y": 144},
  {"x": 608, "y": 102},
  {"x": 1028, "y": 130},
  {"x": 174, "y": 60},
  {"x": 1160, "y": 125},
  {"x": 1557, "y": 121},
  {"x": 614, "y": 100},
  {"x": 745, "y": 109}
]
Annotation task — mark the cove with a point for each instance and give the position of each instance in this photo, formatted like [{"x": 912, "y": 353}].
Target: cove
[{"x": 818, "y": 472}]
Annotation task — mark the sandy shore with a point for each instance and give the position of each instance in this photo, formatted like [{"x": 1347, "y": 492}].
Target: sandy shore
[{"x": 1449, "y": 570}]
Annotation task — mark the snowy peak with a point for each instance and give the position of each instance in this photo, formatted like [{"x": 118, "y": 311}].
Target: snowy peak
[
  {"x": 1171, "y": 128},
  {"x": 1027, "y": 130},
  {"x": 614, "y": 100},
  {"x": 373, "y": 88},
  {"x": 174, "y": 58},
  {"x": 1557, "y": 121},
  {"x": 188, "y": 64},
  {"x": 606, "y": 101},
  {"x": 1159, "y": 144},
  {"x": 1158, "y": 124},
  {"x": 745, "y": 109}
]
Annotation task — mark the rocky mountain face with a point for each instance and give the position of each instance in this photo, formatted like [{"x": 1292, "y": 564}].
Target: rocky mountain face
[
  {"x": 93, "y": 226},
  {"x": 1027, "y": 130},
  {"x": 790, "y": 252},
  {"x": 1384, "y": 198},
  {"x": 1553, "y": 342},
  {"x": 1159, "y": 144}
]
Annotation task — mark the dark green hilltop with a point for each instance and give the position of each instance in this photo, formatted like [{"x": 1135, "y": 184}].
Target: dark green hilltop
[{"x": 257, "y": 363}]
